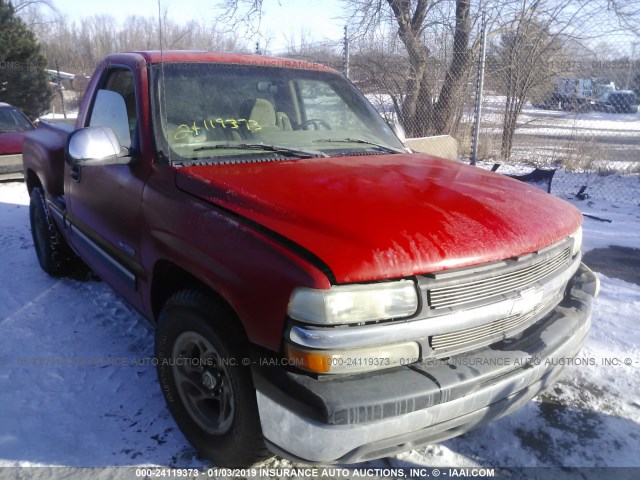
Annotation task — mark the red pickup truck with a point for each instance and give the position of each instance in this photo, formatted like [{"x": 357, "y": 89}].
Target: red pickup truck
[{"x": 318, "y": 290}]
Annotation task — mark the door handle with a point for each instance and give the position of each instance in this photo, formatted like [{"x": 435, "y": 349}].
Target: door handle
[{"x": 75, "y": 174}]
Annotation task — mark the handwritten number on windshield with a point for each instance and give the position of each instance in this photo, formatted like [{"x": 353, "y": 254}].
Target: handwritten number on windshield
[{"x": 184, "y": 130}]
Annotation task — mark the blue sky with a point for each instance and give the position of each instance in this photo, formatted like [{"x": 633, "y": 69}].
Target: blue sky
[{"x": 281, "y": 18}]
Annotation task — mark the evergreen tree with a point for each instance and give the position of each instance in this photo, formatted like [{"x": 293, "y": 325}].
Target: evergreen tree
[{"x": 23, "y": 81}]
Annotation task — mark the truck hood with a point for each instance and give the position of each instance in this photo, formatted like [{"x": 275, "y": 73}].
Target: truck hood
[
  {"x": 388, "y": 216},
  {"x": 11, "y": 142}
]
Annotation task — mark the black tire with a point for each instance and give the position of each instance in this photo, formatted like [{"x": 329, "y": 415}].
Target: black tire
[
  {"x": 222, "y": 429},
  {"x": 54, "y": 255}
]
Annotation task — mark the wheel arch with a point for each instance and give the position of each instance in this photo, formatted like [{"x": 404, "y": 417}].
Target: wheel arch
[
  {"x": 32, "y": 181},
  {"x": 169, "y": 278}
]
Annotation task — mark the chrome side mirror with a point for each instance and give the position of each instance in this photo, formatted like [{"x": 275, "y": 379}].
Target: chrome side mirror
[{"x": 96, "y": 146}]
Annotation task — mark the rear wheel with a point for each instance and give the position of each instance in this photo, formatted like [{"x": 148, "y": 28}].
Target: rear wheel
[
  {"x": 210, "y": 394},
  {"x": 54, "y": 255}
]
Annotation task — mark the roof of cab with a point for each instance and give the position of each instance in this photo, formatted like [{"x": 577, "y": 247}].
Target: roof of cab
[{"x": 157, "y": 56}]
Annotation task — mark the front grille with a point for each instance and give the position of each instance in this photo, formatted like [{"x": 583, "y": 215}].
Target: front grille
[
  {"x": 462, "y": 340},
  {"x": 462, "y": 293}
]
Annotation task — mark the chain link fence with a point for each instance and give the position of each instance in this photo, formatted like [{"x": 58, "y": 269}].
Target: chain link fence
[
  {"x": 560, "y": 87},
  {"x": 581, "y": 119},
  {"x": 553, "y": 97}
]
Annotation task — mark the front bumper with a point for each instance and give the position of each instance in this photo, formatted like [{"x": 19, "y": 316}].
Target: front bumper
[{"x": 361, "y": 417}]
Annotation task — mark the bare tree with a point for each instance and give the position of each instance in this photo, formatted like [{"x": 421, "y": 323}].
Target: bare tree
[
  {"x": 382, "y": 76},
  {"x": 79, "y": 46},
  {"x": 428, "y": 107},
  {"x": 23, "y": 5},
  {"x": 32, "y": 12},
  {"x": 325, "y": 52},
  {"x": 626, "y": 13},
  {"x": 536, "y": 42},
  {"x": 524, "y": 58},
  {"x": 297, "y": 43}
]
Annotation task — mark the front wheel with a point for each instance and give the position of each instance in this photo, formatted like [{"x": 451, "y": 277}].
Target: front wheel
[
  {"x": 199, "y": 349},
  {"x": 54, "y": 255}
]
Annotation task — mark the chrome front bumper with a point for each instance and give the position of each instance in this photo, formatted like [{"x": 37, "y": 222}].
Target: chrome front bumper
[{"x": 465, "y": 397}]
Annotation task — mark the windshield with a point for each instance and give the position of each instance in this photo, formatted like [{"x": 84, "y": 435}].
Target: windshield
[
  {"x": 11, "y": 120},
  {"x": 211, "y": 112}
]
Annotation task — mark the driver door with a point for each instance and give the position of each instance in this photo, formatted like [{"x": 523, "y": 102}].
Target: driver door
[{"x": 104, "y": 202}]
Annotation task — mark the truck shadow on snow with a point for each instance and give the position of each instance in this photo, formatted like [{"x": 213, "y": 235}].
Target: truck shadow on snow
[
  {"x": 541, "y": 434},
  {"x": 77, "y": 382},
  {"x": 570, "y": 424},
  {"x": 615, "y": 261}
]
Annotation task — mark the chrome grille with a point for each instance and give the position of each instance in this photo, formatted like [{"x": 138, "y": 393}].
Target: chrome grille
[
  {"x": 467, "y": 292},
  {"x": 464, "y": 339}
]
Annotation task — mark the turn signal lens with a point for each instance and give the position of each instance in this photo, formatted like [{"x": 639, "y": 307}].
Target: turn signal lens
[{"x": 355, "y": 360}]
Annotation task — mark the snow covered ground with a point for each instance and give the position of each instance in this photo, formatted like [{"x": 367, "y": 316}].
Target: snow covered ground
[
  {"x": 603, "y": 147},
  {"x": 77, "y": 387},
  {"x": 584, "y": 141},
  {"x": 60, "y": 116},
  {"x": 532, "y": 117}
]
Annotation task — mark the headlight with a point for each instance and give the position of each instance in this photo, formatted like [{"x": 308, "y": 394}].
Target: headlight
[
  {"x": 354, "y": 303},
  {"x": 577, "y": 241}
]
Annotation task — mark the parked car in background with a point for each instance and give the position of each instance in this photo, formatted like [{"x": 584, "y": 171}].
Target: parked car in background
[
  {"x": 568, "y": 94},
  {"x": 14, "y": 125},
  {"x": 621, "y": 101}
]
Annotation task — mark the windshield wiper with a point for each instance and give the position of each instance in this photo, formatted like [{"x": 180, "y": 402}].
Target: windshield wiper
[
  {"x": 359, "y": 140},
  {"x": 263, "y": 146}
]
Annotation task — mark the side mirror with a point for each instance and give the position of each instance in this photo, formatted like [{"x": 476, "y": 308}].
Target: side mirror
[
  {"x": 96, "y": 146},
  {"x": 110, "y": 110}
]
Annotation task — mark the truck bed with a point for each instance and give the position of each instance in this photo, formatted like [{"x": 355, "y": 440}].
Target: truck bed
[{"x": 43, "y": 154}]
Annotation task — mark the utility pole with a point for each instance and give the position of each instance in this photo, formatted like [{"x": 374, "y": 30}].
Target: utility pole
[
  {"x": 345, "y": 66},
  {"x": 479, "y": 85}
]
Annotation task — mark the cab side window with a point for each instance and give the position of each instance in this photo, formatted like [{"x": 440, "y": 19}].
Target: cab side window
[{"x": 121, "y": 82}]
